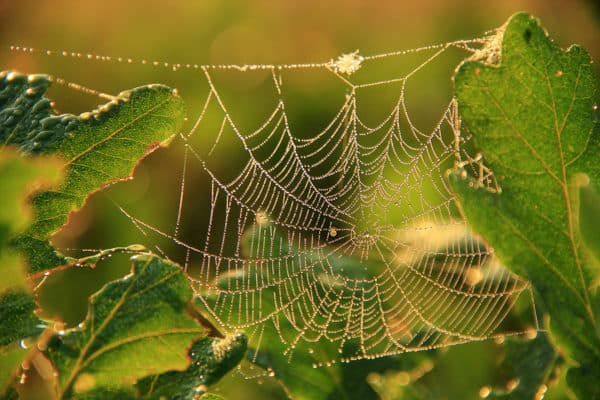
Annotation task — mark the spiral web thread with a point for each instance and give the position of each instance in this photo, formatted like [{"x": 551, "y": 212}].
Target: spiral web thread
[{"x": 348, "y": 238}]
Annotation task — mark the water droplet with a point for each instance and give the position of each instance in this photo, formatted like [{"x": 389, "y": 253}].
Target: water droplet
[
  {"x": 261, "y": 218},
  {"x": 530, "y": 333},
  {"x": 512, "y": 384},
  {"x": 201, "y": 389},
  {"x": 473, "y": 276},
  {"x": 539, "y": 395},
  {"x": 84, "y": 383},
  {"x": 23, "y": 344},
  {"x": 485, "y": 392}
]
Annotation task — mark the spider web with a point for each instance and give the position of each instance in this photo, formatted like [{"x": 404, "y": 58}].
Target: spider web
[{"x": 345, "y": 236}]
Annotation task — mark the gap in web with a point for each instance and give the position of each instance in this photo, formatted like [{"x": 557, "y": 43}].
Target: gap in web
[{"x": 309, "y": 206}]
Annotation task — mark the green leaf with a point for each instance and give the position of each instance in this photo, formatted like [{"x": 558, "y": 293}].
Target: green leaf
[
  {"x": 18, "y": 320},
  {"x": 108, "y": 393},
  {"x": 10, "y": 394},
  {"x": 533, "y": 117},
  {"x": 18, "y": 178},
  {"x": 26, "y": 118},
  {"x": 528, "y": 365},
  {"x": 211, "y": 359},
  {"x": 404, "y": 384},
  {"x": 584, "y": 381},
  {"x": 105, "y": 147},
  {"x": 40, "y": 254},
  {"x": 211, "y": 396},
  {"x": 328, "y": 381},
  {"x": 589, "y": 217},
  {"x": 135, "y": 327},
  {"x": 18, "y": 323},
  {"x": 99, "y": 147},
  {"x": 140, "y": 325}
]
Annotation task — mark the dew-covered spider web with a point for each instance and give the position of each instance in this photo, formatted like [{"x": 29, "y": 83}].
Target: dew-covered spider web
[{"x": 333, "y": 233}]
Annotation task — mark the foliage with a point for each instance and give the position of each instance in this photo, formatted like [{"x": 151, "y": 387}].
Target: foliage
[
  {"x": 534, "y": 119},
  {"x": 211, "y": 359},
  {"x": 99, "y": 147},
  {"x": 19, "y": 177},
  {"x": 529, "y": 365},
  {"x": 142, "y": 323},
  {"x": 138, "y": 324},
  {"x": 530, "y": 107}
]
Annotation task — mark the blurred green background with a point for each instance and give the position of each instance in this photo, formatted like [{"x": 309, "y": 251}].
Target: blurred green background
[{"x": 254, "y": 31}]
